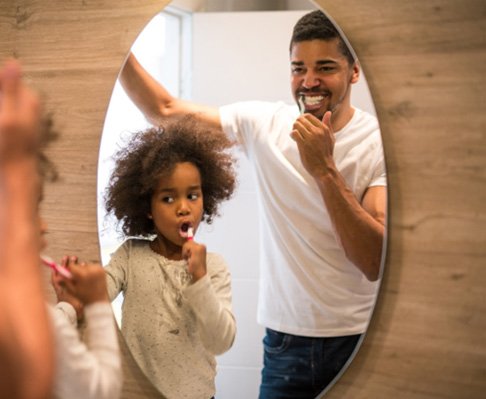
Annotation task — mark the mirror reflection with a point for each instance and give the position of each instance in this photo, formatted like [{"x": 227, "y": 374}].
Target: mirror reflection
[{"x": 303, "y": 234}]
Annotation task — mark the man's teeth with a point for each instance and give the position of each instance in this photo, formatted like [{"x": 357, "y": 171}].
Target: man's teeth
[{"x": 313, "y": 100}]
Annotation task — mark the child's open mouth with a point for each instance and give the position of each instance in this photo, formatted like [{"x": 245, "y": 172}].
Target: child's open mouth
[{"x": 186, "y": 230}]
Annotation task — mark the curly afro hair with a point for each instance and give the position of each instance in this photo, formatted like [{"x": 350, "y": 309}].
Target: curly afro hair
[
  {"x": 154, "y": 153},
  {"x": 315, "y": 25}
]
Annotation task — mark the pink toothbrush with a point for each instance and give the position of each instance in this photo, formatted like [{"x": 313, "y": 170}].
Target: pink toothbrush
[
  {"x": 190, "y": 233},
  {"x": 187, "y": 231},
  {"x": 54, "y": 266}
]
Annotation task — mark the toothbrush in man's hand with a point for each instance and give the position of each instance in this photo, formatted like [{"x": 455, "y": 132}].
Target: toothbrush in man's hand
[
  {"x": 54, "y": 266},
  {"x": 301, "y": 104}
]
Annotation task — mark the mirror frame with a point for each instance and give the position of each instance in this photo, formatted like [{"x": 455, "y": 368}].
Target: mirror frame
[{"x": 424, "y": 63}]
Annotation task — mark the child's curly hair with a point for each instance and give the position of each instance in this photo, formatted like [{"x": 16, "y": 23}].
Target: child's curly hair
[{"x": 154, "y": 153}]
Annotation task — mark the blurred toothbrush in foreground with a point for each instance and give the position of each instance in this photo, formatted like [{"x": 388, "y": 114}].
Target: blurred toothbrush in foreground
[{"x": 54, "y": 266}]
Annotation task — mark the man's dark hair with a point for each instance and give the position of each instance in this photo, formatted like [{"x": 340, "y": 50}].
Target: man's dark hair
[{"x": 315, "y": 25}]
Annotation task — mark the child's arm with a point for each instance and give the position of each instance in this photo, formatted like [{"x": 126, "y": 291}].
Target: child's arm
[
  {"x": 210, "y": 299},
  {"x": 116, "y": 270},
  {"x": 26, "y": 339},
  {"x": 90, "y": 369}
]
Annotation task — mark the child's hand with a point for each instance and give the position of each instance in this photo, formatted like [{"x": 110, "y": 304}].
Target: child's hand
[
  {"x": 88, "y": 282},
  {"x": 195, "y": 254},
  {"x": 63, "y": 294}
]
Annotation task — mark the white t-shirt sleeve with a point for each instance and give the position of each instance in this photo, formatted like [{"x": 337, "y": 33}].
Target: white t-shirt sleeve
[
  {"x": 248, "y": 121},
  {"x": 379, "y": 176}
]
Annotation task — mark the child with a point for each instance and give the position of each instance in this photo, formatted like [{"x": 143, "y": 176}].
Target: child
[
  {"x": 176, "y": 314},
  {"x": 88, "y": 368},
  {"x": 41, "y": 354}
]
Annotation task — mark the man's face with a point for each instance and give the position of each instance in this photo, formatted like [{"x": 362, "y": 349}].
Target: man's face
[{"x": 322, "y": 76}]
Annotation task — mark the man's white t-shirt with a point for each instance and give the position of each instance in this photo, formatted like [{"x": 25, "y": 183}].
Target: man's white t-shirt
[{"x": 307, "y": 286}]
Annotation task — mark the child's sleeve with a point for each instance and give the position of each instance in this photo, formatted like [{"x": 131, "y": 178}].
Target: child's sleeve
[
  {"x": 90, "y": 369},
  {"x": 117, "y": 271},
  {"x": 210, "y": 299},
  {"x": 67, "y": 310}
]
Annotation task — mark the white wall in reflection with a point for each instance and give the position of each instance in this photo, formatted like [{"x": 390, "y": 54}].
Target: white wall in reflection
[
  {"x": 235, "y": 56},
  {"x": 166, "y": 55}
]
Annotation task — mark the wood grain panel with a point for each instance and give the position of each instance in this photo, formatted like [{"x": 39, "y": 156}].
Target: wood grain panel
[{"x": 424, "y": 62}]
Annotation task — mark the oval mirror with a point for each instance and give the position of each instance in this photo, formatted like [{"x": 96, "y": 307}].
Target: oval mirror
[{"x": 218, "y": 58}]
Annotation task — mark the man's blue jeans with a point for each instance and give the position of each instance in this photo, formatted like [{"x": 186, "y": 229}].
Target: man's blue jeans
[{"x": 296, "y": 367}]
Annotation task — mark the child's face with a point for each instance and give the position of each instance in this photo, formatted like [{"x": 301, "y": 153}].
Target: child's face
[{"x": 177, "y": 201}]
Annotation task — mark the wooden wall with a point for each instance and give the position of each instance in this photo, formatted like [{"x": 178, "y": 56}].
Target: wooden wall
[{"x": 425, "y": 64}]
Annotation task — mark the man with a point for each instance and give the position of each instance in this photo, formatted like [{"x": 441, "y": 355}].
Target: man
[{"x": 322, "y": 184}]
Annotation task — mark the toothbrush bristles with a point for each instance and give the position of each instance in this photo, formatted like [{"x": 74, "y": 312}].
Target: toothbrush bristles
[{"x": 301, "y": 104}]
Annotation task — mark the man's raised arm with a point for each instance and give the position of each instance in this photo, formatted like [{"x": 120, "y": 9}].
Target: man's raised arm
[{"x": 154, "y": 101}]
